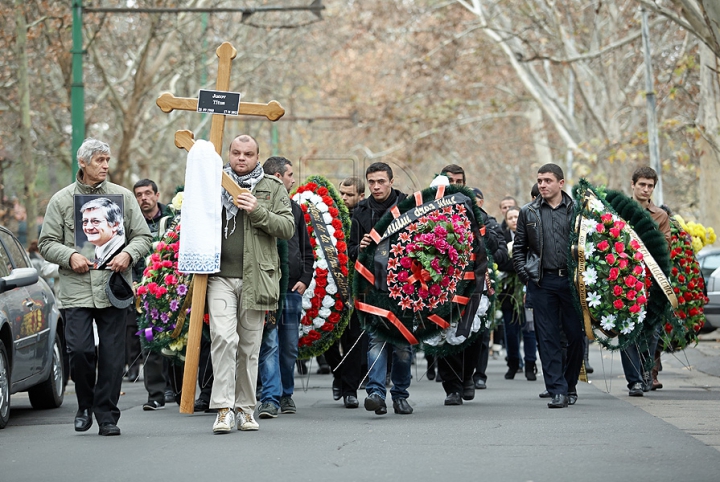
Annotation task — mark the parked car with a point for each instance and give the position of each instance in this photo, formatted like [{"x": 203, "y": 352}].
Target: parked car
[
  {"x": 709, "y": 259},
  {"x": 31, "y": 332}
]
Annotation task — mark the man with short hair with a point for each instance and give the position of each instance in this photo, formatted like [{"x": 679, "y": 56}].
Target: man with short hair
[
  {"x": 642, "y": 185},
  {"x": 248, "y": 283},
  {"x": 454, "y": 173},
  {"x": 279, "y": 348},
  {"x": 379, "y": 177},
  {"x": 84, "y": 293},
  {"x": 540, "y": 260},
  {"x": 347, "y": 373},
  {"x": 506, "y": 203}
]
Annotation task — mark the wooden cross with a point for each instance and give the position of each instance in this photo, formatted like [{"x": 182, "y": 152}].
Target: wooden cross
[{"x": 184, "y": 140}]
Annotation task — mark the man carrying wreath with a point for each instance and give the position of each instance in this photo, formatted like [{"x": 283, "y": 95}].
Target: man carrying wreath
[{"x": 379, "y": 177}]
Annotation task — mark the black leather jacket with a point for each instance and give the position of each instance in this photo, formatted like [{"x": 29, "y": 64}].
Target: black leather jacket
[{"x": 528, "y": 246}]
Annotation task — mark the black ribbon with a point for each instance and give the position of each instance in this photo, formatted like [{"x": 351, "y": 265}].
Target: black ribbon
[{"x": 331, "y": 254}]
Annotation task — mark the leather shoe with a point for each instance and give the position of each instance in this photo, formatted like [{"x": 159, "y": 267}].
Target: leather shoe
[
  {"x": 558, "y": 401},
  {"x": 337, "y": 394},
  {"x": 402, "y": 407},
  {"x": 453, "y": 399},
  {"x": 201, "y": 405},
  {"x": 375, "y": 403},
  {"x": 545, "y": 394},
  {"x": 351, "y": 401},
  {"x": 636, "y": 390},
  {"x": 572, "y": 398},
  {"x": 468, "y": 390},
  {"x": 656, "y": 385},
  {"x": 108, "y": 429},
  {"x": 83, "y": 420},
  {"x": 480, "y": 384}
]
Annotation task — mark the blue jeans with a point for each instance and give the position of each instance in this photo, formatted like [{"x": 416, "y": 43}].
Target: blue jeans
[
  {"x": 400, "y": 373},
  {"x": 278, "y": 353}
]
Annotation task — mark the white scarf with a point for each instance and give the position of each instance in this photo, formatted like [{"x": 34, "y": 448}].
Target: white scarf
[{"x": 200, "y": 236}]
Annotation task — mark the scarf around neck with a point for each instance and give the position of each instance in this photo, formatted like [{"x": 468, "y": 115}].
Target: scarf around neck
[
  {"x": 248, "y": 181},
  {"x": 380, "y": 208}
]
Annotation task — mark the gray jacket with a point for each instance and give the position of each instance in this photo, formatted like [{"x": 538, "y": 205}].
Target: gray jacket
[{"x": 57, "y": 243}]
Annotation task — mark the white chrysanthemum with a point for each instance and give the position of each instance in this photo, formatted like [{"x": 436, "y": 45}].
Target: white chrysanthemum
[
  {"x": 305, "y": 196},
  {"x": 589, "y": 225},
  {"x": 628, "y": 328},
  {"x": 597, "y": 205},
  {"x": 589, "y": 250},
  {"x": 328, "y": 302},
  {"x": 318, "y": 322},
  {"x": 593, "y": 299},
  {"x": 324, "y": 312},
  {"x": 327, "y": 217},
  {"x": 607, "y": 322},
  {"x": 322, "y": 207},
  {"x": 331, "y": 287},
  {"x": 590, "y": 276},
  {"x": 315, "y": 199},
  {"x": 641, "y": 316},
  {"x": 322, "y": 263}
]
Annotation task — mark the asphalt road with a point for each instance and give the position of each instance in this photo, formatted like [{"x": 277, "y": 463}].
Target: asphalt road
[{"x": 506, "y": 434}]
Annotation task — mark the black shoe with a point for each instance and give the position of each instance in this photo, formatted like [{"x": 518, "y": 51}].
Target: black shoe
[
  {"x": 302, "y": 367},
  {"x": 572, "y": 398},
  {"x": 83, "y": 420},
  {"x": 558, "y": 401},
  {"x": 588, "y": 368},
  {"x": 351, "y": 401},
  {"x": 152, "y": 405},
  {"x": 480, "y": 384},
  {"x": 513, "y": 366},
  {"x": 453, "y": 399},
  {"x": 530, "y": 371},
  {"x": 169, "y": 396},
  {"x": 133, "y": 374},
  {"x": 431, "y": 373},
  {"x": 375, "y": 403},
  {"x": 402, "y": 407},
  {"x": 636, "y": 390},
  {"x": 337, "y": 394},
  {"x": 201, "y": 405},
  {"x": 108, "y": 429},
  {"x": 468, "y": 390},
  {"x": 545, "y": 394},
  {"x": 324, "y": 370}
]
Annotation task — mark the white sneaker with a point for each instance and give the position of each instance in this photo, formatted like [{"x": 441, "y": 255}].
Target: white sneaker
[
  {"x": 224, "y": 422},
  {"x": 246, "y": 421}
]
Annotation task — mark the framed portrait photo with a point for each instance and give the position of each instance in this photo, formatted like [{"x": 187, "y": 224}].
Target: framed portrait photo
[{"x": 99, "y": 227}]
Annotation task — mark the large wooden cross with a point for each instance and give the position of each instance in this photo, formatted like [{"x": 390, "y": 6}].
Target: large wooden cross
[{"x": 184, "y": 140}]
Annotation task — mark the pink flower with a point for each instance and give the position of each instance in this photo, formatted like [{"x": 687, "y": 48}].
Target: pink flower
[
  {"x": 606, "y": 218},
  {"x": 630, "y": 281},
  {"x": 638, "y": 256},
  {"x": 631, "y": 295},
  {"x": 405, "y": 262},
  {"x": 619, "y": 247},
  {"x": 634, "y": 308},
  {"x": 445, "y": 281},
  {"x": 614, "y": 232},
  {"x": 600, "y": 228},
  {"x": 403, "y": 276},
  {"x": 435, "y": 264},
  {"x": 614, "y": 273},
  {"x": 440, "y": 231},
  {"x": 641, "y": 300},
  {"x": 610, "y": 258},
  {"x": 637, "y": 270},
  {"x": 617, "y": 290},
  {"x": 408, "y": 289},
  {"x": 423, "y": 293},
  {"x": 603, "y": 245},
  {"x": 618, "y": 304},
  {"x": 634, "y": 244},
  {"x": 435, "y": 290}
]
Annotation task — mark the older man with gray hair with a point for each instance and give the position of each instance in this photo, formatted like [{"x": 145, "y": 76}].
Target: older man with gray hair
[{"x": 87, "y": 295}]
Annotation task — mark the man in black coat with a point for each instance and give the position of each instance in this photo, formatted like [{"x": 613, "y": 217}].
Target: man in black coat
[
  {"x": 379, "y": 177},
  {"x": 279, "y": 348},
  {"x": 540, "y": 259}
]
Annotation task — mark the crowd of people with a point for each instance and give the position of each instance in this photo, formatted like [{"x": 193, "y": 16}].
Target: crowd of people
[{"x": 247, "y": 366}]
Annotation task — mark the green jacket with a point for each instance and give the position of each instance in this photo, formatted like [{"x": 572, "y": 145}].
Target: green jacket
[
  {"x": 57, "y": 243},
  {"x": 272, "y": 219}
]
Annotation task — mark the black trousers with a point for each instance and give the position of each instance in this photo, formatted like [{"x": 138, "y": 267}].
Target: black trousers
[
  {"x": 132, "y": 341},
  {"x": 483, "y": 357},
  {"x": 348, "y": 375},
  {"x": 455, "y": 370},
  {"x": 97, "y": 390},
  {"x": 205, "y": 371},
  {"x": 555, "y": 315}
]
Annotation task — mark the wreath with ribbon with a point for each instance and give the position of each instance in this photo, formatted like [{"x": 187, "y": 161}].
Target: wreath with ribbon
[
  {"x": 621, "y": 286},
  {"x": 164, "y": 294},
  {"x": 417, "y": 275},
  {"x": 687, "y": 282},
  {"x": 325, "y": 312}
]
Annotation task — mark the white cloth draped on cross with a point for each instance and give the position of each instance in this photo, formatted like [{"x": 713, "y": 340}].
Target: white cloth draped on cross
[{"x": 201, "y": 211}]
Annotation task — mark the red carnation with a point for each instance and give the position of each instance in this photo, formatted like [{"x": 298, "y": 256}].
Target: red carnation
[
  {"x": 327, "y": 200},
  {"x": 339, "y": 305},
  {"x": 307, "y": 218},
  {"x": 327, "y": 326},
  {"x": 333, "y": 212},
  {"x": 341, "y": 246},
  {"x": 339, "y": 234},
  {"x": 334, "y": 317},
  {"x": 681, "y": 278},
  {"x": 322, "y": 191},
  {"x": 336, "y": 223},
  {"x": 342, "y": 258},
  {"x": 618, "y": 304},
  {"x": 681, "y": 315},
  {"x": 321, "y": 282}
]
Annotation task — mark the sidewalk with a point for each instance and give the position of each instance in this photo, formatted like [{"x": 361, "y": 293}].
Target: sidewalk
[{"x": 690, "y": 397}]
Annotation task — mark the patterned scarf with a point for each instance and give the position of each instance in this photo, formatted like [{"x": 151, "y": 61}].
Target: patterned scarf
[{"x": 248, "y": 181}]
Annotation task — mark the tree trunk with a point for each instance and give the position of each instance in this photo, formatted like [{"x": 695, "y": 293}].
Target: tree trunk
[
  {"x": 709, "y": 144},
  {"x": 28, "y": 197},
  {"x": 539, "y": 134}
]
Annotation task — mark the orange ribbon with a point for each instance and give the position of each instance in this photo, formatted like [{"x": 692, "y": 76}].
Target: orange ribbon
[
  {"x": 418, "y": 198},
  {"x": 395, "y": 212},
  {"x": 360, "y": 268},
  {"x": 439, "y": 321},
  {"x": 374, "y": 310},
  {"x": 440, "y": 192},
  {"x": 469, "y": 275},
  {"x": 461, "y": 300},
  {"x": 419, "y": 274}
]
